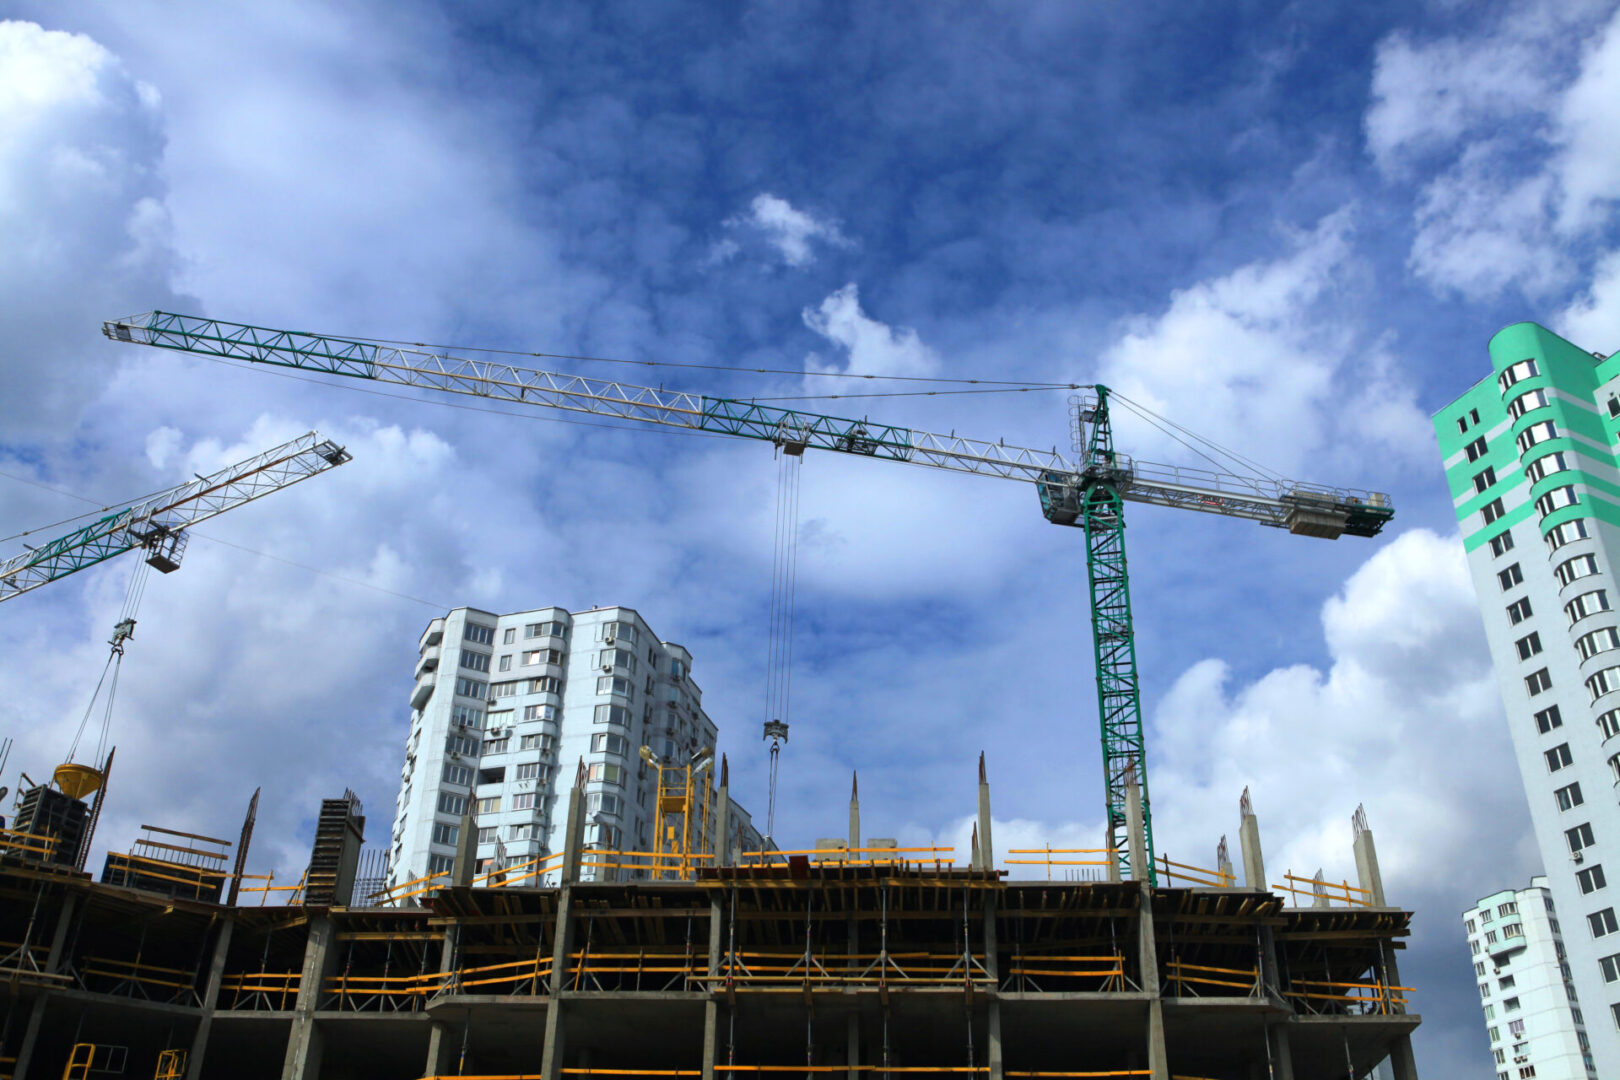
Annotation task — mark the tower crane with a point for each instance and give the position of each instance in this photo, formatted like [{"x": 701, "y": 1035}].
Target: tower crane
[
  {"x": 157, "y": 523},
  {"x": 1088, "y": 493}
]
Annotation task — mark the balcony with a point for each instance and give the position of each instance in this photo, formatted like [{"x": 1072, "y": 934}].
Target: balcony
[
  {"x": 423, "y": 691},
  {"x": 432, "y": 635},
  {"x": 429, "y": 660},
  {"x": 1506, "y": 942}
]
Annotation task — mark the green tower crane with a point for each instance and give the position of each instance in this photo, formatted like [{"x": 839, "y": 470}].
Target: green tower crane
[{"x": 1089, "y": 493}]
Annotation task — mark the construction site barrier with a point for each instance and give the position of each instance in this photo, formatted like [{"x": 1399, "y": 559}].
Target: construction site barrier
[
  {"x": 1047, "y": 851},
  {"x": 1351, "y": 997},
  {"x": 250, "y": 989},
  {"x": 1325, "y": 892},
  {"x": 1245, "y": 979},
  {"x": 1196, "y": 875},
  {"x": 868, "y": 856},
  {"x": 32, "y": 845},
  {"x": 175, "y": 985},
  {"x": 269, "y": 887},
  {"x": 1108, "y": 970}
]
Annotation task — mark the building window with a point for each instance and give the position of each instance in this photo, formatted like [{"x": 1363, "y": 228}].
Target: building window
[
  {"x": 482, "y": 635},
  {"x": 498, "y": 746},
  {"x": 506, "y": 662},
  {"x": 612, "y": 684},
  {"x": 1536, "y": 433},
  {"x": 465, "y": 716},
  {"x": 602, "y": 803},
  {"x": 1573, "y": 569},
  {"x": 613, "y": 714},
  {"x": 1528, "y": 645},
  {"x": 1526, "y": 402},
  {"x": 1567, "y": 533},
  {"x": 1598, "y": 641},
  {"x": 1469, "y": 925},
  {"x": 617, "y": 631},
  {"x": 1500, "y": 543},
  {"x": 608, "y": 743},
  {"x": 545, "y": 684},
  {"x": 523, "y": 800},
  {"x": 1505, "y": 982},
  {"x": 1474, "y": 946},
  {"x": 546, "y": 629},
  {"x": 529, "y": 770},
  {"x": 446, "y": 834},
  {"x": 1588, "y": 603},
  {"x": 490, "y": 804},
  {"x": 1476, "y": 449},
  {"x": 470, "y": 688},
  {"x": 1611, "y": 970},
  {"x": 1492, "y": 511},
  {"x": 1591, "y": 879},
  {"x": 1510, "y": 577},
  {"x": 1538, "y": 682},
  {"x": 602, "y": 772},
  {"x": 1518, "y": 611},
  {"x": 1524, "y": 369},
  {"x": 461, "y": 744},
  {"x": 1557, "y": 499},
  {"x": 540, "y": 712},
  {"x": 535, "y": 742},
  {"x": 1579, "y": 837},
  {"x": 1549, "y": 718},
  {"x": 1510, "y": 1005},
  {"x": 457, "y": 774},
  {"x": 508, "y": 635},
  {"x": 452, "y": 804},
  {"x": 1604, "y": 682},
  {"x": 526, "y": 831},
  {"x": 1609, "y": 724},
  {"x": 488, "y": 834},
  {"x": 1603, "y": 922},
  {"x": 1479, "y": 970},
  {"x": 1484, "y": 989},
  {"x": 1558, "y": 757},
  {"x": 440, "y": 864},
  {"x": 1484, "y": 479},
  {"x": 1550, "y": 465},
  {"x": 542, "y": 656}
]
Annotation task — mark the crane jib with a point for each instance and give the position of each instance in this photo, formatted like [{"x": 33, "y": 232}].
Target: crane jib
[{"x": 796, "y": 430}]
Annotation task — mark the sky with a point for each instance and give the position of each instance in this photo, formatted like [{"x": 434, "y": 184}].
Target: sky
[{"x": 1290, "y": 227}]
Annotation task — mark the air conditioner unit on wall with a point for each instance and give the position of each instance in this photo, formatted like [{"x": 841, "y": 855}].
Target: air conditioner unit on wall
[{"x": 609, "y": 638}]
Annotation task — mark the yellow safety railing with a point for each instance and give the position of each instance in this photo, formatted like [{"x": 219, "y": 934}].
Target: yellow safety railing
[
  {"x": 678, "y": 863},
  {"x": 1047, "y": 851},
  {"x": 34, "y": 845},
  {"x": 937, "y": 857},
  {"x": 1342, "y": 891},
  {"x": 1109, "y": 970},
  {"x": 280, "y": 986},
  {"x": 171, "y": 1065},
  {"x": 347, "y": 986},
  {"x": 179, "y": 981},
  {"x": 197, "y": 877},
  {"x": 1363, "y": 996},
  {"x": 518, "y": 873},
  {"x": 536, "y": 972},
  {"x": 1193, "y": 976},
  {"x": 269, "y": 886},
  {"x": 790, "y": 970},
  {"x": 1196, "y": 875}
]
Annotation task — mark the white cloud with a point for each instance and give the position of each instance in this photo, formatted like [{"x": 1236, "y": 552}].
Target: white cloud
[
  {"x": 83, "y": 219},
  {"x": 871, "y": 347},
  {"x": 1592, "y": 320},
  {"x": 1515, "y": 125},
  {"x": 1265, "y": 360},
  {"x": 784, "y": 227}
]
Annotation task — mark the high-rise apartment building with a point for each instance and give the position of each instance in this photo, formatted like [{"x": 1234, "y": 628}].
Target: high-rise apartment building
[
  {"x": 507, "y": 708},
  {"x": 1531, "y": 1018},
  {"x": 1530, "y": 457}
]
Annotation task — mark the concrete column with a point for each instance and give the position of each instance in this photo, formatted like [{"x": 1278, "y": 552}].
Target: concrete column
[
  {"x": 974, "y": 862},
  {"x": 1282, "y": 1055},
  {"x": 303, "y": 1060},
  {"x": 854, "y": 812},
  {"x": 992, "y": 966},
  {"x": 722, "y": 819},
  {"x": 1319, "y": 896},
  {"x": 466, "y": 864},
  {"x": 987, "y": 846},
  {"x": 1367, "y": 868},
  {"x": 1223, "y": 864},
  {"x": 1135, "y": 832},
  {"x": 551, "y": 1057},
  {"x": 442, "y": 1035},
  {"x": 573, "y": 835},
  {"x": 852, "y": 1044},
  {"x": 1254, "y": 863},
  {"x": 210, "y": 1000},
  {"x": 53, "y": 964},
  {"x": 1148, "y": 961},
  {"x": 711, "y": 1007}
]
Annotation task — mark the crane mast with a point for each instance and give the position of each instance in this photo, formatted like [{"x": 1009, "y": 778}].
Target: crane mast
[
  {"x": 157, "y": 523},
  {"x": 1089, "y": 494}
]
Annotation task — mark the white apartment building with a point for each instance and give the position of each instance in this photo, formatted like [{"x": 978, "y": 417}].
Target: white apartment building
[
  {"x": 506, "y": 708},
  {"x": 1530, "y": 459},
  {"x": 1532, "y": 1017}
]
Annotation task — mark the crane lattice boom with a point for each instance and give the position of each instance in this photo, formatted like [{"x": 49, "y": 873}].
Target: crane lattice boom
[{"x": 157, "y": 523}]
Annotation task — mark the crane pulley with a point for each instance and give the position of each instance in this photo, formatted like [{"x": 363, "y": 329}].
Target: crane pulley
[{"x": 1088, "y": 493}]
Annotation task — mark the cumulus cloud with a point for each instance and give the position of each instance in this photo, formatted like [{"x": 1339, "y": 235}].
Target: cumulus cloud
[
  {"x": 1513, "y": 127},
  {"x": 1592, "y": 320},
  {"x": 1265, "y": 360},
  {"x": 83, "y": 218},
  {"x": 870, "y": 347},
  {"x": 787, "y": 230}
]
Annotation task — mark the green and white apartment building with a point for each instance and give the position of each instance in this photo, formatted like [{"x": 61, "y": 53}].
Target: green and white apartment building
[{"x": 1530, "y": 455}]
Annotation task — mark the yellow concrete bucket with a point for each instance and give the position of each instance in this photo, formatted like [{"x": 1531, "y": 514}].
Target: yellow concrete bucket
[{"x": 77, "y": 780}]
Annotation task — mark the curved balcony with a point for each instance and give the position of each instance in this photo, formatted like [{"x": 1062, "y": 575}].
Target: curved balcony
[{"x": 423, "y": 691}]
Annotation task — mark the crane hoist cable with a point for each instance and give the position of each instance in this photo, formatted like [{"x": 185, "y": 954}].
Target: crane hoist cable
[
  {"x": 784, "y": 595},
  {"x": 122, "y": 632}
]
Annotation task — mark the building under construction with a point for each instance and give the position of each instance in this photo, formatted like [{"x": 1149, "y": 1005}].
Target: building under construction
[{"x": 863, "y": 959}]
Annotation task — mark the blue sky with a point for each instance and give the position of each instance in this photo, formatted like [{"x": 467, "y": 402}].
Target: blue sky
[{"x": 1291, "y": 227}]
